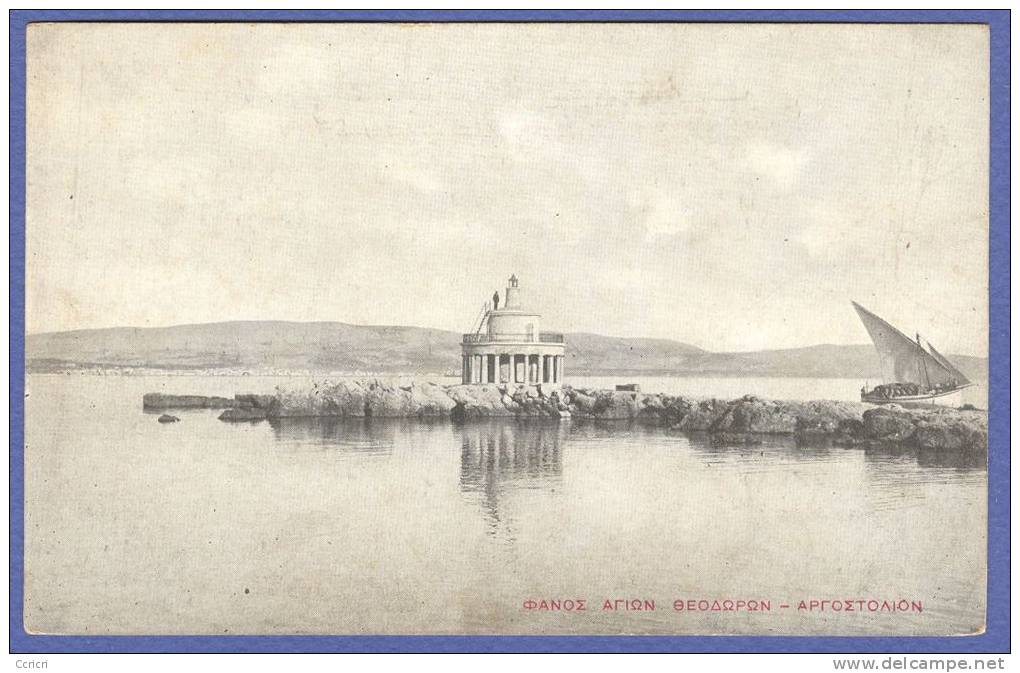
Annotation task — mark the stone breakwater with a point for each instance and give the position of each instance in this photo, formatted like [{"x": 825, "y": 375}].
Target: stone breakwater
[
  {"x": 162, "y": 401},
  {"x": 848, "y": 423}
]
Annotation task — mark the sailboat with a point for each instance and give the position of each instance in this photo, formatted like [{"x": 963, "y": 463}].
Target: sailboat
[{"x": 912, "y": 373}]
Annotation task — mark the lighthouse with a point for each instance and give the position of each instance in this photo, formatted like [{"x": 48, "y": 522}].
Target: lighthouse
[{"x": 508, "y": 347}]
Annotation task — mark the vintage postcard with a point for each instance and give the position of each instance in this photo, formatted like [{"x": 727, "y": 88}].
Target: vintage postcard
[{"x": 506, "y": 329}]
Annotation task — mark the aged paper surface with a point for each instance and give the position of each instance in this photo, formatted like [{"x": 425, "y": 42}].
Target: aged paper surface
[{"x": 506, "y": 328}]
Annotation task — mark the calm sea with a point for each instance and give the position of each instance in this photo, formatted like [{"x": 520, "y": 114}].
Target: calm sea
[{"x": 407, "y": 527}]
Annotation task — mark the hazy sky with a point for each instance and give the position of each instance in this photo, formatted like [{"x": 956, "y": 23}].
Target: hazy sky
[{"x": 733, "y": 187}]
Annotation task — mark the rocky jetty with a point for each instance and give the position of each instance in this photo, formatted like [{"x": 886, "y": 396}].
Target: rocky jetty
[
  {"x": 160, "y": 401},
  {"x": 846, "y": 423},
  {"x": 242, "y": 415},
  {"x": 247, "y": 408}
]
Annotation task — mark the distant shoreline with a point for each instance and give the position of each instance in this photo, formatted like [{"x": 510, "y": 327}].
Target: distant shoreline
[
  {"x": 141, "y": 371},
  {"x": 274, "y": 348}
]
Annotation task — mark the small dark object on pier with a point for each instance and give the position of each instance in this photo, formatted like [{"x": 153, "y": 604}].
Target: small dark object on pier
[
  {"x": 167, "y": 418},
  {"x": 629, "y": 387}
]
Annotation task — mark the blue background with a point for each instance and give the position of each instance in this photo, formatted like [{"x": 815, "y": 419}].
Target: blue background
[{"x": 995, "y": 639}]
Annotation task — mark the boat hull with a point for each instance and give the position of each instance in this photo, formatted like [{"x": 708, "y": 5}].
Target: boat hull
[{"x": 944, "y": 398}]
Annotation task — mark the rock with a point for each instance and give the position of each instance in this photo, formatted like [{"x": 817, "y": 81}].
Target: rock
[
  {"x": 581, "y": 403},
  {"x": 249, "y": 401},
  {"x": 164, "y": 401},
  {"x": 614, "y": 405},
  {"x": 653, "y": 406},
  {"x": 367, "y": 398},
  {"x": 167, "y": 418},
  {"x": 944, "y": 432},
  {"x": 320, "y": 400},
  {"x": 851, "y": 427},
  {"x": 752, "y": 415},
  {"x": 618, "y": 405},
  {"x": 473, "y": 401},
  {"x": 386, "y": 401},
  {"x": 532, "y": 407},
  {"x": 889, "y": 423},
  {"x": 823, "y": 417},
  {"x": 242, "y": 415},
  {"x": 695, "y": 416},
  {"x": 430, "y": 400}
]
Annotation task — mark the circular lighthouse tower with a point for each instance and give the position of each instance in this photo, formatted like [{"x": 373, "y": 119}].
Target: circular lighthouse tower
[{"x": 508, "y": 346}]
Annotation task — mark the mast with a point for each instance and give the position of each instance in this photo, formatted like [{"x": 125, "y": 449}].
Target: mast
[{"x": 927, "y": 380}]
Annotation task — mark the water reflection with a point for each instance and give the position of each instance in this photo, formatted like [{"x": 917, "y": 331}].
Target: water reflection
[
  {"x": 824, "y": 448},
  {"x": 364, "y": 435},
  {"x": 957, "y": 459},
  {"x": 784, "y": 448},
  {"x": 499, "y": 457}
]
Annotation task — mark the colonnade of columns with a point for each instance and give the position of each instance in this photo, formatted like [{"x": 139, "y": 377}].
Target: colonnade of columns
[{"x": 512, "y": 368}]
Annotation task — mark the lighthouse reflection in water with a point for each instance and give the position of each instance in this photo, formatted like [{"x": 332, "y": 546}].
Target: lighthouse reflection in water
[
  {"x": 499, "y": 456},
  {"x": 496, "y": 456}
]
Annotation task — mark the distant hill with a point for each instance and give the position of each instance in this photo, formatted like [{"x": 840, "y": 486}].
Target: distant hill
[
  {"x": 260, "y": 346},
  {"x": 251, "y": 345}
]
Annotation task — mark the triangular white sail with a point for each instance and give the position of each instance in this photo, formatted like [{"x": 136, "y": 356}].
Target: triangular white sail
[
  {"x": 961, "y": 378},
  {"x": 903, "y": 359}
]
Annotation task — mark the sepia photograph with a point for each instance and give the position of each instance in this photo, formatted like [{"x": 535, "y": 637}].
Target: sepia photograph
[{"x": 506, "y": 328}]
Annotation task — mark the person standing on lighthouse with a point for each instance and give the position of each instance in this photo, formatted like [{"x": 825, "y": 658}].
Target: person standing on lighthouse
[{"x": 495, "y": 301}]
